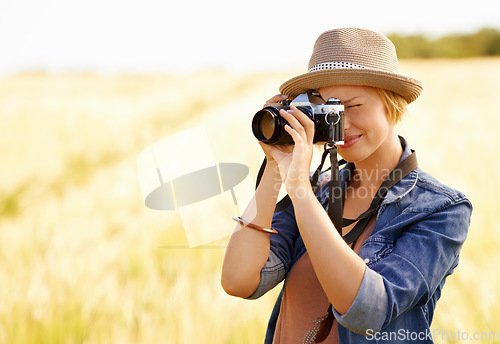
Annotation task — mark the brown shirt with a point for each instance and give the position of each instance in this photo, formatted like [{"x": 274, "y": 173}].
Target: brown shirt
[{"x": 305, "y": 303}]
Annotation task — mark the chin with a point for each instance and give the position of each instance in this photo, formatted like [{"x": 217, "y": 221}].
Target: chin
[{"x": 353, "y": 155}]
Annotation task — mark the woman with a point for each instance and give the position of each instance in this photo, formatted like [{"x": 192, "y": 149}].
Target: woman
[{"x": 383, "y": 286}]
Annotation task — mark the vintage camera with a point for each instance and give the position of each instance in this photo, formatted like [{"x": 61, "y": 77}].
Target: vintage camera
[{"x": 269, "y": 127}]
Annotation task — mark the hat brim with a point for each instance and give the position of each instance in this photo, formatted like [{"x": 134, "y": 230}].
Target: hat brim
[{"x": 408, "y": 88}]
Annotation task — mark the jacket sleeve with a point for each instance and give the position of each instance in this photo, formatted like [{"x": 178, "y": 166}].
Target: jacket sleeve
[
  {"x": 405, "y": 275},
  {"x": 281, "y": 254}
]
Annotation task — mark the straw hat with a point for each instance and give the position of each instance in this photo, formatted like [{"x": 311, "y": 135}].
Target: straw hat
[{"x": 352, "y": 56}]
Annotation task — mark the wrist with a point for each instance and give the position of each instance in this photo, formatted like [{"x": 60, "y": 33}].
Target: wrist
[
  {"x": 270, "y": 184},
  {"x": 271, "y": 164},
  {"x": 272, "y": 171},
  {"x": 300, "y": 192}
]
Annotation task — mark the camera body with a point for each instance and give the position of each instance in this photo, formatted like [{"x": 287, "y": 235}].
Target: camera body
[{"x": 269, "y": 127}]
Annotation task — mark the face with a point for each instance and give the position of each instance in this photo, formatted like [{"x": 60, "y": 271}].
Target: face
[{"x": 367, "y": 129}]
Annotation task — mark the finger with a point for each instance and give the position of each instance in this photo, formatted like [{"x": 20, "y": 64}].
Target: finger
[
  {"x": 289, "y": 116},
  {"x": 270, "y": 150},
  {"x": 285, "y": 148},
  {"x": 300, "y": 122},
  {"x": 274, "y": 101},
  {"x": 266, "y": 148},
  {"x": 275, "y": 153},
  {"x": 297, "y": 138},
  {"x": 306, "y": 122}
]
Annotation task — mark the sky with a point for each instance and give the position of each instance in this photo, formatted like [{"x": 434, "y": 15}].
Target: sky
[{"x": 189, "y": 35}]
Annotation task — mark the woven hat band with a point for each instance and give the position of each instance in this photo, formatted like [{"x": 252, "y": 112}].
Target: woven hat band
[{"x": 335, "y": 65}]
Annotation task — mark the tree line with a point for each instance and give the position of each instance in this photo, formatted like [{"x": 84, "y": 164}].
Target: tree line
[{"x": 484, "y": 42}]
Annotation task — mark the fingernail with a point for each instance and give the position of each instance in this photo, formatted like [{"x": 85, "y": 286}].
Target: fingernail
[{"x": 284, "y": 96}]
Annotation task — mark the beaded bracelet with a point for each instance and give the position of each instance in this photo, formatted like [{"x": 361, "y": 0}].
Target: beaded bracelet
[{"x": 253, "y": 226}]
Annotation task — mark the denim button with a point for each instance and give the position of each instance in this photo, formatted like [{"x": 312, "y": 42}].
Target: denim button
[{"x": 367, "y": 260}]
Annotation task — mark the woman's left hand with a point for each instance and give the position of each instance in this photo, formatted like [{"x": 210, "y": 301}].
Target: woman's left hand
[{"x": 294, "y": 166}]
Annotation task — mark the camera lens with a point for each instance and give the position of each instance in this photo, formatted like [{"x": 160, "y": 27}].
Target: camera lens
[{"x": 267, "y": 125}]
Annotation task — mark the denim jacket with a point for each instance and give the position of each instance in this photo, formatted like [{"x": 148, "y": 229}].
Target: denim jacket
[{"x": 421, "y": 226}]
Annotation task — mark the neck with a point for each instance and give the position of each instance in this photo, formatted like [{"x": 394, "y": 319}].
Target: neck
[{"x": 372, "y": 171}]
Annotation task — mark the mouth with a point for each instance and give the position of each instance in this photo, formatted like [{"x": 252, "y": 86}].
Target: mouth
[{"x": 350, "y": 141}]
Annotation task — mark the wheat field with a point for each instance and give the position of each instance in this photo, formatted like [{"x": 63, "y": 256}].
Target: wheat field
[{"x": 82, "y": 260}]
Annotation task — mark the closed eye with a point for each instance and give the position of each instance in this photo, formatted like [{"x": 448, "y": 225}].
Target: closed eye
[{"x": 355, "y": 105}]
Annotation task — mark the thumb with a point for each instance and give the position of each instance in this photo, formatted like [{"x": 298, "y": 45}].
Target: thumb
[{"x": 269, "y": 151}]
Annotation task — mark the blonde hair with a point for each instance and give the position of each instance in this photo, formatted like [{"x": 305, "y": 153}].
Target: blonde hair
[{"x": 394, "y": 103}]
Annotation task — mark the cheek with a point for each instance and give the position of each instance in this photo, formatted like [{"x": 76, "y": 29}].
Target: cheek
[
  {"x": 365, "y": 120},
  {"x": 377, "y": 122}
]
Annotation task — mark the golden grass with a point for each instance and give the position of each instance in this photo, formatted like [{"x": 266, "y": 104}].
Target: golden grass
[{"x": 83, "y": 260}]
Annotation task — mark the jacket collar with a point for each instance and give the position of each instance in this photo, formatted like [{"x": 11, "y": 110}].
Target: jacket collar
[{"x": 399, "y": 190}]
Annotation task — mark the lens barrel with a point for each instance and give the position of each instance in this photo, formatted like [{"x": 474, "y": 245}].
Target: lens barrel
[{"x": 269, "y": 127}]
